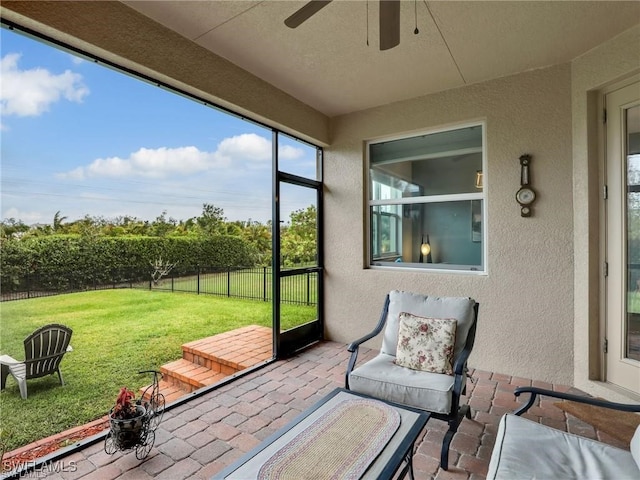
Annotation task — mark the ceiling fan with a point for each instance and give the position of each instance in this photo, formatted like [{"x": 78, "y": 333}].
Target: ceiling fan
[{"x": 389, "y": 19}]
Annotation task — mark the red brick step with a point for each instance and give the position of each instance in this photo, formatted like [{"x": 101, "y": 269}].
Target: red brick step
[{"x": 209, "y": 360}]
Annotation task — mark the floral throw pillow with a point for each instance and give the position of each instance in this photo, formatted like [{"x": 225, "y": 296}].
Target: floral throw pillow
[{"x": 426, "y": 344}]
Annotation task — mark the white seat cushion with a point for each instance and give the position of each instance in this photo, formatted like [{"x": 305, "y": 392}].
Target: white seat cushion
[
  {"x": 529, "y": 450},
  {"x": 635, "y": 446},
  {"x": 458, "y": 308},
  {"x": 382, "y": 378}
]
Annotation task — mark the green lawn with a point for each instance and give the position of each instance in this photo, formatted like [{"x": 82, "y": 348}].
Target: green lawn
[
  {"x": 248, "y": 283},
  {"x": 116, "y": 333},
  {"x": 633, "y": 302}
]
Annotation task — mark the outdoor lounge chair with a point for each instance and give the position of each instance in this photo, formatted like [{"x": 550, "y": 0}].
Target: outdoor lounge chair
[
  {"x": 528, "y": 449},
  {"x": 385, "y": 376},
  {"x": 43, "y": 352}
]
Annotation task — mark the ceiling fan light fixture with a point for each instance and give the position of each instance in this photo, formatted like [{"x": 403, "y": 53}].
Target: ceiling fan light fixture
[{"x": 389, "y": 24}]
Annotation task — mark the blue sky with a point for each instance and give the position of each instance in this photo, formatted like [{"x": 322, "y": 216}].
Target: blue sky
[{"x": 83, "y": 139}]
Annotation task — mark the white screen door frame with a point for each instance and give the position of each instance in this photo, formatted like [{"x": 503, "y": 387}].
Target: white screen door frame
[{"x": 622, "y": 210}]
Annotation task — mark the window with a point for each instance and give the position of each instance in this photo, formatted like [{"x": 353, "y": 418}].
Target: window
[{"x": 426, "y": 201}]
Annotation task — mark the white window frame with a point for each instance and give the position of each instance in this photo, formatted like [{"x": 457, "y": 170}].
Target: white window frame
[{"x": 425, "y": 199}]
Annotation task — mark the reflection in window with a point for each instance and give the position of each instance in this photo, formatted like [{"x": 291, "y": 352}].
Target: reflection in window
[
  {"x": 424, "y": 197},
  {"x": 632, "y": 327}
]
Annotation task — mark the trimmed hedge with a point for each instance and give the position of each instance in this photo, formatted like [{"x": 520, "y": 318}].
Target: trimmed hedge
[{"x": 107, "y": 260}]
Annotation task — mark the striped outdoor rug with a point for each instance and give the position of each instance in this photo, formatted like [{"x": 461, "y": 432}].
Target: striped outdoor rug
[{"x": 339, "y": 445}]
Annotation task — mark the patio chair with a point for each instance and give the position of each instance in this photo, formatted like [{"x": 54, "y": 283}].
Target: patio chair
[
  {"x": 434, "y": 380},
  {"x": 43, "y": 352}
]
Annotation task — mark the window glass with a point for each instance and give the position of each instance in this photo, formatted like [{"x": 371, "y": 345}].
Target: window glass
[
  {"x": 386, "y": 221},
  {"x": 298, "y": 157},
  {"x": 426, "y": 201}
]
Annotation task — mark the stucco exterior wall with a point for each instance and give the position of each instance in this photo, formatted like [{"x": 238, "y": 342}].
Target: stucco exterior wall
[
  {"x": 610, "y": 62},
  {"x": 525, "y": 326}
]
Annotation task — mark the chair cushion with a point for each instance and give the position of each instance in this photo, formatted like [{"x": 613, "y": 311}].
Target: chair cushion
[
  {"x": 526, "y": 449},
  {"x": 459, "y": 308},
  {"x": 426, "y": 344},
  {"x": 635, "y": 447},
  {"x": 382, "y": 378}
]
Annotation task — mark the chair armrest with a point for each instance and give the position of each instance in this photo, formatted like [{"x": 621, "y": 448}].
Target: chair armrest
[
  {"x": 534, "y": 391},
  {"x": 461, "y": 361},
  {"x": 9, "y": 361},
  {"x": 18, "y": 369},
  {"x": 459, "y": 367},
  {"x": 354, "y": 346}
]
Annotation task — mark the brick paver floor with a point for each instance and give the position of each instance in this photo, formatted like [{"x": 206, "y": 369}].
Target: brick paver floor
[{"x": 207, "y": 433}]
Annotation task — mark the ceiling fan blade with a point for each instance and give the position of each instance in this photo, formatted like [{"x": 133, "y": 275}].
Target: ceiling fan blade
[
  {"x": 306, "y": 12},
  {"x": 389, "y": 24}
]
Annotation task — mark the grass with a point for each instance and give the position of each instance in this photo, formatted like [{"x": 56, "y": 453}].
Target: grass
[
  {"x": 116, "y": 333},
  {"x": 248, "y": 283},
  {"x": 633, "y": 302}
]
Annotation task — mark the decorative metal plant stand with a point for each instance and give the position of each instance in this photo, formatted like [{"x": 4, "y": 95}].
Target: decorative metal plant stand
[{"x": 139, "y": 432}]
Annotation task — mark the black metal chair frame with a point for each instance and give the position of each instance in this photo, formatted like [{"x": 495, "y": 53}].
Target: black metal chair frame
[
  {"x": 458, "y": 412},
  {"x": 535, "y": 391}
]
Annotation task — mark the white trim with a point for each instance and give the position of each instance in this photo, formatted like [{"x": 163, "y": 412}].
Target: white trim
[
  {"x": 368, "y": 203},
  {"x": 485, "y": 200},
  {"x": 416, "y": 133},
  {"x": 458, "y": 197},
  {"x": 429, "y": 156},
  {"x": 431, "y": 268}
]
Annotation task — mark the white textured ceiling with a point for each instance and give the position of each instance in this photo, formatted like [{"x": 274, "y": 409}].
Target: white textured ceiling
[{"x": 327, "y": 63}]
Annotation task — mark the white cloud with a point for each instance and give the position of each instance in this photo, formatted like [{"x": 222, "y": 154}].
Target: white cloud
[
  {"x": 241, "y": 151},
  {"x": 287, "y": 152},
  {"x": 150, "y": 163},
  {"x": 27, "y": 217},
  {"x": 248, "y": 147},
  {"x": 255, "y": 148},
  {"x": 32, "y": 92}
]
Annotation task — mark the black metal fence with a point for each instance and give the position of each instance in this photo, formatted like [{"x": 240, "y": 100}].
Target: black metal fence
[
  {"x": 238, "y": 282},
  {"x": 34, "y": 285}
]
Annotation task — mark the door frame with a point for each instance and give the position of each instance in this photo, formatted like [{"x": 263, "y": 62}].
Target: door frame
[
  {"x": 289, "y": 342},
  {"x": 614, "y": 247}
]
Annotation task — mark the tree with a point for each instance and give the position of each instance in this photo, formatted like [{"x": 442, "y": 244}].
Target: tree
[
  {"x": 633, "y": 226},
  {"x": 259, "y": 236},
  {"x": 57, "y": 222},
  {"x": 88, "y": 226},
  {"x": 186, "y": 227},
  {"x": 299, "y": 238},
  {"x": 160, "y": 269},
  {"x": 162, "y": 226},
  {"x": 12, "y": 228},
  {"x": 211, "y": 219}
]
